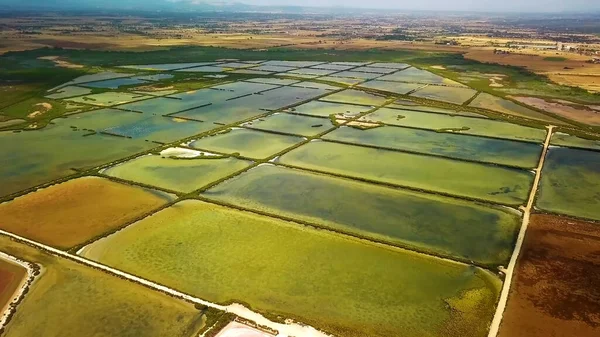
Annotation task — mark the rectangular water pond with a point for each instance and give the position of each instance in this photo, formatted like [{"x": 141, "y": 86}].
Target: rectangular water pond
[
  {"x": 292, "y": 124},
  {"x": 395, "y": 87},
  {"x": 167, "y": 66},
  {"x": 481, "y": 149},
  {"x": 89, "y": 207},
  {"x": 161, "y": 129},
  {"x": 244, "y": 88},
  {"x": 326, "y": 109},
  {"x": 101, "y": 119},
  {"x": 43, "y": 155},
  {"x": 344, "y": 286},
  {"x": 445, "y": 94},
  {"x": 356, "y": 74},
  {"x": 280, "y": 98},
  {"x": 248, "y": 143},
  {"x": 564, "y": 139},
  {"x": 415, "y": 75},
  {"x": 70, "y": 91},
  {"x": 423, "y": 222},
  {"x": 177, "y": 174},
  {"x": 109, "y": 98},
  {"x": 114, "y": 83},
  {"x": 223, "y": 113},
  {"x": 352, "y": 96},
  {"x": 69, "y": 299},
  {"x": 375, "y": 70},
  {"x": 570, "y": 183},
  {"x": 454, "y": 177},
  {"x": 458, "y": 124}
]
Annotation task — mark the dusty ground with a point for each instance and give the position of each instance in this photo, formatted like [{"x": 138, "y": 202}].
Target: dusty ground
[
  {"x": 574, "y": 71},
  {"x": 235, "y": 329},
  {"x": 582, "y": 114},
  {"x": 556, "y": 289},
  {"x": 61, "y": 63},
  {"x": 40, "y": 109}
]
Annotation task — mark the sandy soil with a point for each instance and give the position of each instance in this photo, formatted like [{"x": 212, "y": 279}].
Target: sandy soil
[
  {"x": 61, "y": 63},
  {"x": 556, "y": 292},
  {"x": 581, "y": 114},
  {"x": 236, "y": 329},
  {"x": 574, "y": 71},
  {"x": 179, "y": 152},
  {"x": 42, "y": 108}
]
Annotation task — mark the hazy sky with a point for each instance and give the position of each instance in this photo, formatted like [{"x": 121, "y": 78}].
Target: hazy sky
[
  {"x": 444, "y": 5},
  {"x": 479, "y": 5}
]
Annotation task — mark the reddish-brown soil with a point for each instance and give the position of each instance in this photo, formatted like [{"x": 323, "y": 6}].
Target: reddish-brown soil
[
  {"x": 556, "y": 289},
  {"x": 11, "y": 276},
  {"x": 76, "y": 211}
]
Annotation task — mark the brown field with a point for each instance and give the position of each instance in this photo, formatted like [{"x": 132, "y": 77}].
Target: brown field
[
  {"x": 581, "y": 114},
  {"x": 11, "y": 276},
  {"x": 574, "y": 71},
  {"x": 89, "y": 207},
  {"x": 555, "y": 291}
]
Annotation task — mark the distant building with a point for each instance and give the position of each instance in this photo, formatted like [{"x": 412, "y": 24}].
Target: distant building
[{"x": 533, "y": 46}]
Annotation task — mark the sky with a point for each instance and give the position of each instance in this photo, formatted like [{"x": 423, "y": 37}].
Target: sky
[
  {"x": 441, "y": 5},
  {"x": 458, "y": 5}
]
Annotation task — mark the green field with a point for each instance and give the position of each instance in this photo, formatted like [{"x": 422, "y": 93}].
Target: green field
[
  {"x": 176, "y": 174},
  {"x": 286, "y": 269},
  {"x": 248, "y": 143},
  {"x": 458, "y": 124},
  {"x": 72, "y": 300},
  {"x": 292, "y": 124},
  {"x": 497, "y": 151},
  {"x": 471, "y": 180},
  {"x": 564, "y": 139},
  {"x": 427, "y": 223},
  {"x": 570, "y": 183}
]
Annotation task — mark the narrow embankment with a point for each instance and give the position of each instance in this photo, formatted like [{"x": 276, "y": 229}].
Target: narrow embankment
[{"x": 495, "y": 327}]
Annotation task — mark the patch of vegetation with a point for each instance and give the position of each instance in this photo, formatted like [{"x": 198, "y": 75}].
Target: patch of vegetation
[
  {"x": 104, "y": 304},
  {"x": 555, "y": 59},
  {"x": 294, "y": 272}
]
